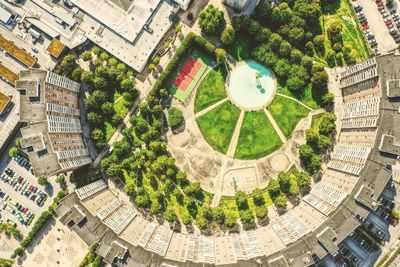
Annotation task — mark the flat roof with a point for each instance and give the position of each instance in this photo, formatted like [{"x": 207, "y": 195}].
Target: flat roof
[
  {"x": 55, "y": 48},
  {"x": 17, "y": 52},
  {"x": 4, "y": 101},
  {"x": 8, "y": 75},
  {"x": 127, "y": 22},
  {"x": 4, "y": 15}
]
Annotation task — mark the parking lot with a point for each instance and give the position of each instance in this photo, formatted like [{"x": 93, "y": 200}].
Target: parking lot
[
  {"x": 377, "y": 26},
  {"x": 22, "y": 199}
]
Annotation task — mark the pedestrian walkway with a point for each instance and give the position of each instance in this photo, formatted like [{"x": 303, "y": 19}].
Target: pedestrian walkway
[
  {"x": 204, "y": 111},
  {"x": 275, "y": 125},
  {"x": 235, "y": 136},
  {"x": 294, "y": 99}
]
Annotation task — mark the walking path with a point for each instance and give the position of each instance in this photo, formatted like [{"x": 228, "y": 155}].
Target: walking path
[
  {"x": 275, "y": 125},
  {"x": 235, "y": 136},
  {"x": 294, "y": 99},
  {"x": 204, "y": 111}
]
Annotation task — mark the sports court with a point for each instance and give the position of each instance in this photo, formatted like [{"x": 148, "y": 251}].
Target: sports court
[{"x": 188, "y": 75}]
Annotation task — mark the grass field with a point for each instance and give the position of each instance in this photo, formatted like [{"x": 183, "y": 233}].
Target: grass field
[
  {"x": 257, "y": 137},
  {"x": 306, "y": 97},
  {"x": 211, "y": 89},
  {"x": 352, "y": 34},
  {"x": 287, "y": 113},
  {"x": 217, "y": 125}
]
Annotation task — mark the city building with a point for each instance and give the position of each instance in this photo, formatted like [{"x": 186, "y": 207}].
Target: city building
[
  {"x": 53, "y": 137},
  {"x": 9, "y": 114},
  {"x": 238, "y": 4}
]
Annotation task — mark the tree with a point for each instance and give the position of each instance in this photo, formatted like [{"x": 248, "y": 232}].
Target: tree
[
  {"x": 112, "y": 61},
  {"x": 108, "y": 109},
  {"x": 86, "y": 56},
  {"x": 60, "y": 179},
  {"x": 307, "y": 62},
  {"x": 100, "y": 83},
  {"x": 327, "y": 124},
  {"x": 230, "y": 220},
  {"x": 263, "y": 11},
  {"x": 320, "y": 80},
  {"x": 13, "y": 152},
  {"x": 175, "y": 117},
  {"x": 114, "y": 170},
  {"x": 94, "y": 118},
  {"x": 334, "y": 30},
  {"x": 261, "y": 212},
  {"x": 273, "y": 188},
  {"x": 87, "y": 77},
  {"x": 258, "y": 197},
  {"x": 305, "y": 154},
  {"x": 282, "y": 13},
  {"x": 328, "y": 99},
  {"x": 42, "y": 180},
  {"x": 96, "y": 50},
  {"x": 220, "y": 54},
  {"x": 323, "y": 143},
  {"x": 130, "y": 190},
  {"x": 330, "y": 58},
  {"x": 280, "y": 201},
  {"x": 127, "y": 85},
  {"x": 241, "y": 200},
  {"x": 194, "y": 190},
  {"x": 99, "y": 138},
  {"x": 315, "y": 163},
  {"x": 282, "y": 68},
  {"x": 142, "y": 200},
  {"x": 211, "y": 20},
  {"x": 228, "y": 35},
  {"x": 296, "y": 36},
  {"x": 76, "y": 74},
  {"x": 170, "y": 215},
  {"x": 68, "y": 64},
  {"x": 275, "y": 41},
  {"x": 246, "y": 216},
  {"x": 303, "y": 180},
  {"x": 285, "y": 49},
  {"x": 319, "y": 43},
  {"x": 295, "y": 84},
  {"x": 296, "y": 56}
]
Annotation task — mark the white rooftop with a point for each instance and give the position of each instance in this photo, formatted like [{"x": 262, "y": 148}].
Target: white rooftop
[{"x": 127, "y": 23}]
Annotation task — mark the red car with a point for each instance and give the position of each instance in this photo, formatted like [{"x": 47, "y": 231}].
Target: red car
[
  {"x": 24, "y": 210},
  {"x": 379, "y": 3},
  {"x": 389, "y": 22},
  {"x": 366, "y": 27},
  {"x": 394, "y": 222}
]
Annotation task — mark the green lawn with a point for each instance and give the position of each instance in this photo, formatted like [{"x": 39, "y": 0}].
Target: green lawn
[
  {"x": 306, "y": 97},
  {"x": 352, "y": 34},
  {"x": 218, "y": 124},
  {"x": 211, "y": 89},
  {"x": 257, "y": 137},
  {"x": 287, "y": 113}
]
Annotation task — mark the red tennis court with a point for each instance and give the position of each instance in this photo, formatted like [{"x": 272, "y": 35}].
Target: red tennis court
[{"x": 187, "y": 74}]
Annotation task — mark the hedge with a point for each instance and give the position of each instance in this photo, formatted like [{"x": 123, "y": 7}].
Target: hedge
[
  {"x": 190, "y": 40},
  {"x": 41, "y": 221}
]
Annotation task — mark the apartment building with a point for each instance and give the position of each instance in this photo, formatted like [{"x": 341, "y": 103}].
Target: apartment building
[{"x": 53, "y": 138}]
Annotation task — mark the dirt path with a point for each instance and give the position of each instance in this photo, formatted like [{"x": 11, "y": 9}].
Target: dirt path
[
  {"x": 235, "y": 136},
  {"x": 275, "y": 125},
  {"x": 294, "y": 99},
  {"x": 204, "y": 111}
]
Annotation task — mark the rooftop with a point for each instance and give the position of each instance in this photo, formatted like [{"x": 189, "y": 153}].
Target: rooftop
[
  {"x": 17, "y": 52},
  {"x": 55, "y": 48},
  {"x": 4, "y": 101}
]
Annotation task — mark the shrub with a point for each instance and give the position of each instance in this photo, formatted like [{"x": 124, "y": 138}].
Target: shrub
[{"x": 175, "y": 117}]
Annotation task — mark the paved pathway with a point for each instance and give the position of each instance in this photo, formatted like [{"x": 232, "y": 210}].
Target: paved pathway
[
  {"x": 275, "y": 125},
  {"x": 235, "y": 136},
  {"x": 294, "y": 99},
  {"x": 204, "y": 111}
]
